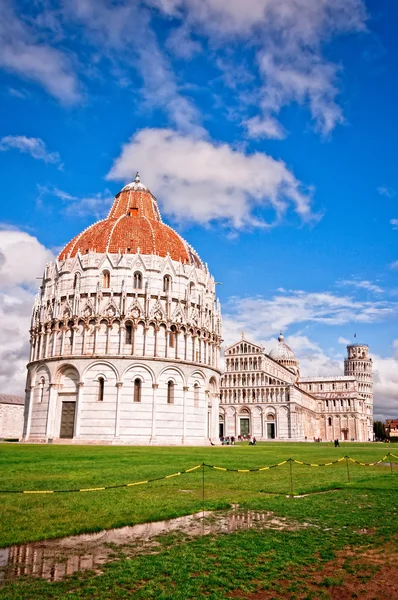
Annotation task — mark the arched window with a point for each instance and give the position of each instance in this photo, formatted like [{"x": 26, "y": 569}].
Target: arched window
[
  {"x": 330, "y": 421},
  {"x": 196, "y": 395},
  {"x": 166, "y": 283},
  {"x": 76, "y": 281},
  {"x": 172, "y": 337},
  {"x": 106, "y": 279},
  {"x": 137, "y": 390},
  {"x": 129, "y": 333},
  {"x": 41, "y": 396},
  {"x": 170, "y": 392},
  {"x": 191, "y": 287},
  {"x": 137, "y": 281},
  {"x": 101, "y": 387}
]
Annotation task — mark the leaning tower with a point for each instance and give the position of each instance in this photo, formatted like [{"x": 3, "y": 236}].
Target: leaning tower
[{"x": 359, "y": 365}]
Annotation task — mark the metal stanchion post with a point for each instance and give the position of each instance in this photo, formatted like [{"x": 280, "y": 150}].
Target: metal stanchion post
[
  {"x": 348, "y": 469},
  {"x": 203, "y": 489},
  {"x": 390, "y": 462},
  {"x": 291, "y": 476}
]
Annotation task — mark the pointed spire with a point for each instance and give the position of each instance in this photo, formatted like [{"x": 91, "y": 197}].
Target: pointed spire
[
  {"x": 137, "y": 178},
  {"x": 281, "y": 338},
  {"x": 243, "y": 335}
]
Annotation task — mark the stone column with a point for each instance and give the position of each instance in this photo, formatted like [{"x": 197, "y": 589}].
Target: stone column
[
  {"x": 184, "y": 414},
  {"x": 55, "y": 335},
  {"x": 237, "y": 431},
  {"x": 108, "y": 330},
  {"x": 78, "y": 412},
  {"x": 155, "y": 350},
  {"x": 62, "y": 341},
  {"x": 29, "y": 412},
  {"x": 122, "y": 335},
  {"x": 48, "y": 333},
  {"x": 84, "y": 334},
  {"x": 153, "y": 429},
  {"x": 96, "y": 328},
  {"x": 119, "y": 386},
  {"x": 74, "y": 330},
  {"x": 185, "y": 346},
  {"x": 51, "y": 408}
]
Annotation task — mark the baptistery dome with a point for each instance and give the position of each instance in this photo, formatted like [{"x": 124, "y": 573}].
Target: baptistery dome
[
  {"x": 284, "y": 355},
  {"x": 133, "y": 225},
  {"x": 125, "y": 335}
]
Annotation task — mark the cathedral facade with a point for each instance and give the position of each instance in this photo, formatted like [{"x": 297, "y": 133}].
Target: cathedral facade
[
  {"x": 125, "y": 336},
  {"x": 263, "y": 396}
]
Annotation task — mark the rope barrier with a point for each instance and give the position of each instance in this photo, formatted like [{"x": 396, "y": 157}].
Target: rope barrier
[{"x": 202, "y": 465}]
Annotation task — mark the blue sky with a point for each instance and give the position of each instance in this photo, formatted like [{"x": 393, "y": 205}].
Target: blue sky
[{"x": 266, "y": 129}]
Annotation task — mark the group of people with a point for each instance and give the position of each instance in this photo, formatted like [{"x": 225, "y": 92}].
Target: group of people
[{"x": 230, "y": 440}]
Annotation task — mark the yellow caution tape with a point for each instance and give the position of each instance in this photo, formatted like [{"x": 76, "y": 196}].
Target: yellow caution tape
[
  {"x": 220, "y": 468},
  {"x": 91, "y": 489},
  {"x": 174, "y": 475},
  {"x": 193, "y": 469},
  {"x": 137, "y": 483},
  {"x": 38, "y": 492},
  {"x": 243, "y": 470}
]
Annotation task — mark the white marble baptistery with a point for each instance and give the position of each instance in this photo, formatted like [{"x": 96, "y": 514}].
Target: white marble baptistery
[{"x": 125, "y": 336}]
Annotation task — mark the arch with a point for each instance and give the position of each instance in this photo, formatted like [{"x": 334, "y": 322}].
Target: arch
[
  {"x": 98, "y": 363},
  {"x": 170, "y": 376},
  {"x": 63, "y": 370},
  {"x": 106, "y": 279},
  {"x": 135, "y": 367},
  {"x": 170, "y": 391},
  {"x": 101, "y": 388},
  {"x": 213, "y": 385},
  {"x": 76, "y": 280},
  {"x": 137, "y": 389},
  {"x": 167, "y": 284},
  {"x": 137, "y": 280}
]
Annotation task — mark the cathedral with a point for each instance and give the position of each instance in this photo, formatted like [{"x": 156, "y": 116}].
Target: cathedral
[
  {"x": 125, "y": 345},
  {"x": 263, "y": 396},
  {"x": 125, "y": 336}
]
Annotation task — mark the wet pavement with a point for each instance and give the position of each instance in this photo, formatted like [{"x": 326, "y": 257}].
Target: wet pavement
[{"x": 54, "y": 559}]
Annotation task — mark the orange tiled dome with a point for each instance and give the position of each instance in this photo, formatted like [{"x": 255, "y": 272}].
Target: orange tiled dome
[{"x": 133, "y": 225}]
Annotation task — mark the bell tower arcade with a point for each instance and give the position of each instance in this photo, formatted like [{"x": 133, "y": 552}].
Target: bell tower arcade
[{"x": 359, "y": 365}]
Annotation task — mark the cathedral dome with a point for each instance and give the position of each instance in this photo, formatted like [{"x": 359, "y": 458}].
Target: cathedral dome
[
  {"x": 282, "y": 351},
  {"x": 134, "y": 225}
]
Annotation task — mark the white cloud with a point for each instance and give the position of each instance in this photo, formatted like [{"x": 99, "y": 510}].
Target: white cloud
[
  {"x": 267, "y": 127},
  {"x": 394, "y": 265},
  {"x": 202, "y": 182},
  {"x": 262, "y": 317},
  {"x": 29, "y": 145},
  {"x": 394, "y": 223},
  {"x": 22, "y": 260},
  {"x": 343, "y": 340},
  {"x": 123, "y": 33},
  {"x": 385, "y": 377},
  {"x": 386, "y": 191},
  {"x": 23, "y": 53},
  {"x": 96, "y": 205},
  {"x": 289, "y": 36},
  {"x": 362, "y": 284}
]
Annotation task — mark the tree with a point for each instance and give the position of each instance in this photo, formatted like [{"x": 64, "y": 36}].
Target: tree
[{"x": 379, "y": 430}]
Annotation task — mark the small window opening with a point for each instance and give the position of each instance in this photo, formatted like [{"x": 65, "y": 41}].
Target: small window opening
[
  {"x": 137, "y": 390},
  {"x": 166, "y": 283},
  {"x": 196, "y": 395},
  {"x": 106, "y": 279},
  {"x": 172, "y": 337},
  {"x": 330, "y": 421},
  {"x": 41, "y": 397},
  {"x": 170, "y": 392},
  {"x": 129, "y": 334},
  {"x": 137, "y": 281},
  {"x": 101, "y": 387}
]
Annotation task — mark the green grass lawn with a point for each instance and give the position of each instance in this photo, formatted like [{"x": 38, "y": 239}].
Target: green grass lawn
[
  {"x": 34, "y": 517},
  {"x": 248, "y": 565}
]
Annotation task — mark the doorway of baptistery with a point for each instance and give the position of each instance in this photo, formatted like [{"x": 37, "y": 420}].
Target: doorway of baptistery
[{"x": 68, "y": 412}]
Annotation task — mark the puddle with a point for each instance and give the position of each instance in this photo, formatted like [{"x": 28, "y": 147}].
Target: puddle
[{"x": 54, "y": 559}]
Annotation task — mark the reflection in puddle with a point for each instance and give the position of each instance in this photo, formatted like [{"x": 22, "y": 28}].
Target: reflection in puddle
[{"x": 54, "y": 559}]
